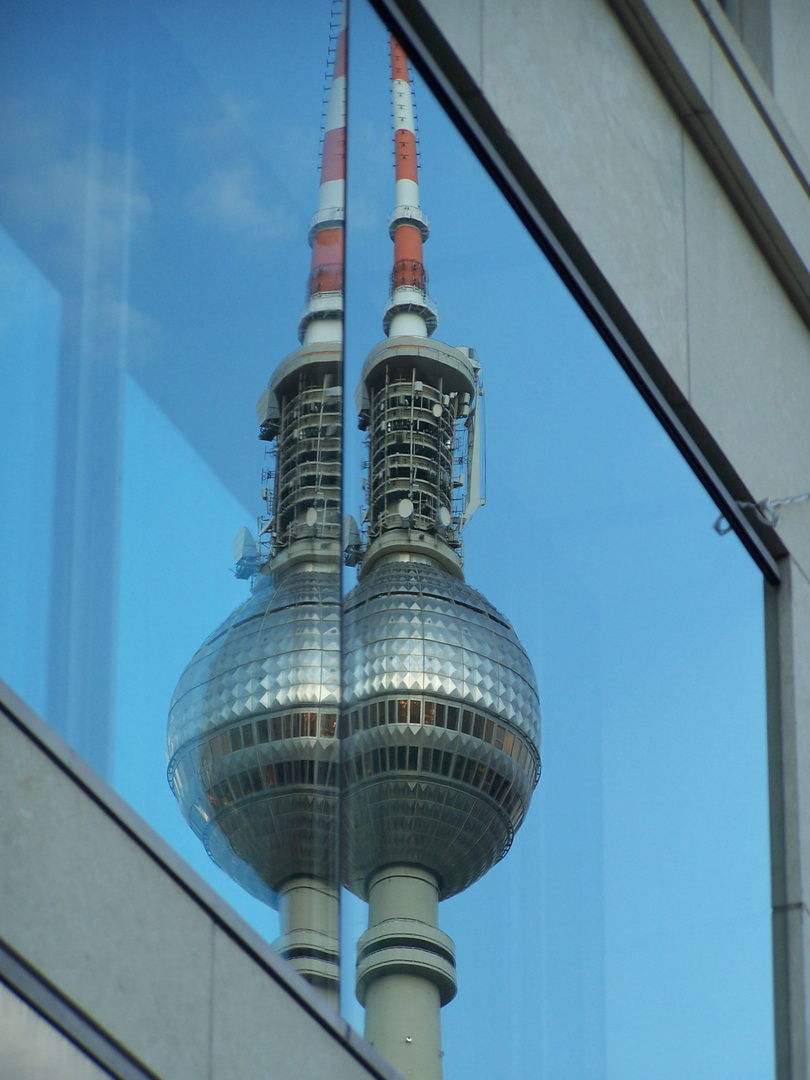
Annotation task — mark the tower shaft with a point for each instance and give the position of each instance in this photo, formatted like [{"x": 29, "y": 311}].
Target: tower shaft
[
  {"x": 405, "y": 971},
  {"x": 309, "y": 914}
]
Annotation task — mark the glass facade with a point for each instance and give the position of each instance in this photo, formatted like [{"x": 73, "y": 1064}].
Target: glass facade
[{"x": 350, "y": 700}]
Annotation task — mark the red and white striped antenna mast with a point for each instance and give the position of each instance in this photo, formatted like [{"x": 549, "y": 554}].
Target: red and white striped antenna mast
[
  {"x": 409, "y": 309},
  {"x": 322, "y": 317}
]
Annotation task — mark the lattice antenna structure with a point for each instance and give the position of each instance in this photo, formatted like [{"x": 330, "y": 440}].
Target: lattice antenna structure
[
  {"x": 302, "y": 407},
  {"x": 418, "y": 398}
]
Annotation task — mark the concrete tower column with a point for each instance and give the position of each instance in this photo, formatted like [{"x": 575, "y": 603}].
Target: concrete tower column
[
  {"x": 309, "y": 912},
  {"x": 406, "y": 971}
]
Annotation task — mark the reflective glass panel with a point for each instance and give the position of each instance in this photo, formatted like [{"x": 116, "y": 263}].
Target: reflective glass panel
[
  {"x": 627, "y": 930},
  {"x": 520, "y": 538},
  {"x": 160, "y": 176}
]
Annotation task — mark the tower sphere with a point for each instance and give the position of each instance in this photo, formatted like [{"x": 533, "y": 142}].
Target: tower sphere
[
  {"x": 443, "y": 726},
  {"x": 252, "y": 734}
]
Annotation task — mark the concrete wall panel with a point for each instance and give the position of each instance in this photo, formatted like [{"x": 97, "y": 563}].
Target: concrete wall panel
[
  {"x": 467, "y": 31},
  {"x": 98, "y": 918},
  {"x": 682, "y": 29},
  {"x": 749, "y": 350},
  {"x": 781, "y": 186},
  {"x": 565, "y": 80},
  {"x": 788, "y": 618},
  {"x": 139, "y": 946},
  {"x": 790, "y": 39},
  {"x": 252, "y": 1026}
]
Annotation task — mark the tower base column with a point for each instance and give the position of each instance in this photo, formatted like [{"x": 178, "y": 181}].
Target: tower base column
[
  {"x": 406, "y": 971},
  {"x": 310, "y": 927}
]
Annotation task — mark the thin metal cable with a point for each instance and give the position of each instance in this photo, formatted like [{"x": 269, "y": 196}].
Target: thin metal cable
[{"x": 765, "y": 511}]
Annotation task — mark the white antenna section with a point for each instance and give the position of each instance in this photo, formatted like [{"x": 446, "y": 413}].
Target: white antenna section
[{"x": 476, "y": 464}]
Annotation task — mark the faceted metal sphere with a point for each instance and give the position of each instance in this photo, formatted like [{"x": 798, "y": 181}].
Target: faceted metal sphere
[
  {"x": 441, "y": 753},
  {"x": 252, "y": 734}
]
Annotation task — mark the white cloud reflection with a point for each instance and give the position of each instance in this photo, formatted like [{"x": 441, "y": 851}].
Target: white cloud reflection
[
  {"x": 75, "y": 207},
  {"x": 229, "y": 198},
  {"x": 232, "y": 193}
]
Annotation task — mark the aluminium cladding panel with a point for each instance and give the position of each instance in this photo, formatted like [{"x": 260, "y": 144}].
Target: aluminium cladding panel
[
  {"x": 106, "y": 913},
  {"x": 788, "y": 662},
  {"x": 279, "y": 649},
  {"x": 790, "y": 32},
  {"x": 412, "y": 627}
]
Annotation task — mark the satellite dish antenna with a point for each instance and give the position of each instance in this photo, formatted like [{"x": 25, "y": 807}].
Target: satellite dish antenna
[
  {"x": 351, "y": 532},
  {"x": 244, "y": 546},
  {"x": 352, "y": 541},
  {"x": 437, "y": 410},
  {"x": 312, "y": 516},
  {"x": 443, "y": 517},
  {"x": 405, "y": 509},
  {"x": 245, "y": 554}
]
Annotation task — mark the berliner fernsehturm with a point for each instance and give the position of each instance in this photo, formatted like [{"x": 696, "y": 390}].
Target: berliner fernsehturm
[
  {"x": 415, "y": 685},
  {"x": 441, "y": 713},
  {"x": 252, "y": 734}
]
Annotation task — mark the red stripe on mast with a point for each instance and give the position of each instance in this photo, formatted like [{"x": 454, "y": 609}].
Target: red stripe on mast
[
  {"x": 333, "y": 161},
  {"x": 409, "y": 269},
  {"x": 407, "y": 167},
  {"x": 326, "y": 264},
  {"x": 340, "y": 55},
  {"x": 399, "y": 62}
]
